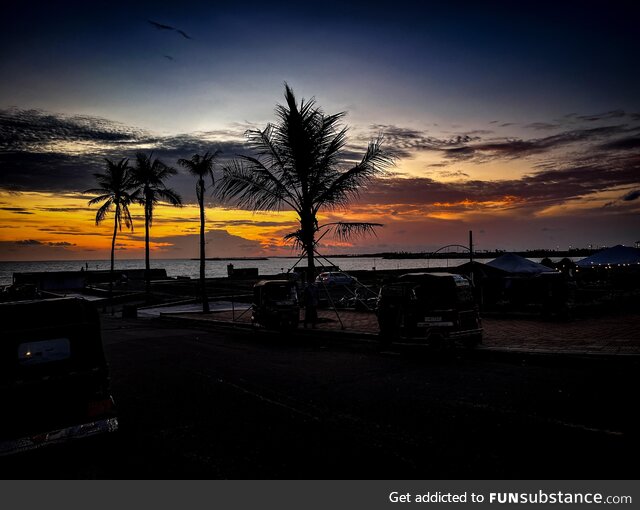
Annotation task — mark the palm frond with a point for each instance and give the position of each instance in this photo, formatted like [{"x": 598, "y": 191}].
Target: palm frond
[
  {"x": 348, "y": 184},
  {"x": 169, "y": 195},
  {"x": 296, "y": 239},
  {"x": 254, "y": 187},
  {"x": 200, "y": 165},
  {"x": 103, "y": 210},
  {"x": 344, "y": 230},
  {"x": 99, "y": 198}
]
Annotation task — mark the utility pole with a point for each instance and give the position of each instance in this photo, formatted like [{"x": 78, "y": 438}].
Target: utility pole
[{"x": 471, "y": 253}]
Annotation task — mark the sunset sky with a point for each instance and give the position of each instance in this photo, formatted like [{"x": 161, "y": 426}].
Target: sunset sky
[{"x": 522, "y": 125}]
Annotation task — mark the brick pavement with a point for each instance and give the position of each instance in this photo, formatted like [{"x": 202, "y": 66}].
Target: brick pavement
[{"x": 605, "y": 335}]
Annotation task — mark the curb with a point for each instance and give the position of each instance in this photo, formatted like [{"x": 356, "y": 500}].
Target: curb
[{"x": 363, "y": 337}]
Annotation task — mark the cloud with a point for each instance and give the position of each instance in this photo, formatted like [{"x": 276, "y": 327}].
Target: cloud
[
  {"x": 22, "y": 129},
  {"x": 29, "y": 242},
  {"x": 542, "y": 188},
  {"x": 64, "y": 209},
  {"x": 632, "y": 195},
  {"x": 41, "y": 151},
  {"x": 629, "y": 143},
  {"x": 16, "y": 210},
  {"x": 541, "y": 126},
  {"x": 61, "y": 244},
  {"x": 405, "y": 141},
  {"x": 516, "y": 148},
  {"x": 613, "y": 114},
  {"x": 454, "y": 173},
  {"x": 477, "y": 145},
  {"x": 220, "y": 243}
]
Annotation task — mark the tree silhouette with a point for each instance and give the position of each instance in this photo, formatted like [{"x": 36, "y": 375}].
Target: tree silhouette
[
  {"x": 201, "y": 167},
  {"x": 298, "y": 164},
  {"x": 116, "y": 191},
  {"x": 149, "y": 175}
]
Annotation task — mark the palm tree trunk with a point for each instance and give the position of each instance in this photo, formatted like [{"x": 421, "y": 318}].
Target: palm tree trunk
[
  {"x": 113, "y": 252},
  {"x": 311, "y": 263},
  {"x": 147, "y": 265},
  {"x": 203, "y": 284},
  {"x": 308, "y": 237}
]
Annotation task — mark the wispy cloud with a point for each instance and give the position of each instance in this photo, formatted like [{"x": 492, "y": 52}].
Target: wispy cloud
[
  {"x": 16, "y": 210},
  {"x": 536, "y": 190},
  {"x": 42, "y": 151}
]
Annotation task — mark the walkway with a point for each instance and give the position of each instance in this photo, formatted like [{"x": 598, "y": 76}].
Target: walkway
[{"x": 603, "y": 335}]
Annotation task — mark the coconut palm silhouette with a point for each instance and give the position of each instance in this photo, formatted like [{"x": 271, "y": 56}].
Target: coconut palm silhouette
[
  {"x": 117, "y": 191},
  {"x": 149, "y": 175},
  {"x": 298, "y": 164},
  {"x": 202, "y": 168}
]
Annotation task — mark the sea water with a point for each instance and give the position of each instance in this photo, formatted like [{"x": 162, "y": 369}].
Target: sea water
[{"x": 218, "y": 268}]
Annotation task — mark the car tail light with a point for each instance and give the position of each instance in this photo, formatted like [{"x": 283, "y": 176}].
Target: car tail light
[{"x": 100, "y": 407}]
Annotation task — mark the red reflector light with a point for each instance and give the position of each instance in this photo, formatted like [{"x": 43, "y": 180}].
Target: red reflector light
[{"x": 100, "y": 407}]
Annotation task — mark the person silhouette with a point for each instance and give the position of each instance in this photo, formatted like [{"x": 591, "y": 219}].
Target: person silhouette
[{"x": 310, "y": 304}]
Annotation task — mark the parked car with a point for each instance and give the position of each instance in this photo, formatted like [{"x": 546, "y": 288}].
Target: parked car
[
  {"x": 54, "y": 379},
  {"x": 435, "y": 308},
  {"x": 330, "y": 278}
]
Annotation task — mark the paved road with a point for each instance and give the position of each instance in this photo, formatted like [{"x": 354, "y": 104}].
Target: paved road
[{"x": 221, "y": 404}]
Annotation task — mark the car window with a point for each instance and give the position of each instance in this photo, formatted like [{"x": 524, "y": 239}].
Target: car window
[{"x": 44, "y": 351}]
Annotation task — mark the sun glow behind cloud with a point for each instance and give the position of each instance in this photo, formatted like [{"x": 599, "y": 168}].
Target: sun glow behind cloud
[{"x": 54, "y": 226}]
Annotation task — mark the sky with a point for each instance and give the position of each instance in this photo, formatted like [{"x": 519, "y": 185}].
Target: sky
[{"x": 519, "y": 121}]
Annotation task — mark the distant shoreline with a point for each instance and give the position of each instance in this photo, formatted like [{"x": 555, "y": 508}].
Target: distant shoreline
[
  {"x": 233, "y": 258},
  {"x": 578, "y": 252}
]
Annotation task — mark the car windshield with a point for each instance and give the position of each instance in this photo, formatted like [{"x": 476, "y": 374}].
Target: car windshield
[
  {"x": 280, "y": 292},
  {"x": 440, "y": 293}
]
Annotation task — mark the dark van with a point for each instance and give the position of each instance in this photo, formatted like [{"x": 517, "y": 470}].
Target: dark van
[
  {"x": 435, "y": 308},
  {"x": 54, "y": 380}
]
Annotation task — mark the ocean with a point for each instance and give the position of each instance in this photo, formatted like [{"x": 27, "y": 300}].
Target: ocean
[{"x": 218, "y": 268}]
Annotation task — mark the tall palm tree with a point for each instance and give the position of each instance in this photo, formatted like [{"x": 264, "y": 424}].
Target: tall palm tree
[
  {"x": 149, "y": 174},
  {"x": 116, "y": 189},
  {"x": 298, "y": 164},
  {"x": 201, "y": 167}
]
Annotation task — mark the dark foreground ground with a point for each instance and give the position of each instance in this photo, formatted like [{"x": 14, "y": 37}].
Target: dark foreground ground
[{"x": 198, "y": 403}]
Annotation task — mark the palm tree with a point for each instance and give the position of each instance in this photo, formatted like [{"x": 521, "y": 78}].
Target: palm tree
[
  {"x": 149, "y": 175},
  {"x": 201, "y": 167},
  {"x": 298, "y": 164},
  {"x": 116, "y": 189}
]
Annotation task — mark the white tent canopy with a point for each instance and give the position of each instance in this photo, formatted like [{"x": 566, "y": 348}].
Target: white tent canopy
[
  {"x": 618, "y": 255},
  {"x": 516, "y": 264}
]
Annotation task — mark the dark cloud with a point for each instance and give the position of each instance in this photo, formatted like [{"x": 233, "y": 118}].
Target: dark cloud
[
  {"x": 219, "y": 244},
  {"x": 613, "y": 114},
  {"x": 476, "y": 145},
  {"x": 539, "y": 189},
  {"x": 37, "y": 154},
  {"x": 514, "y": 148},
  {"x": 405, "y": 141},
  {"x": 455, "y": 173},
  {"x": 542, "y": 126},
  {"x": 41, "y": 151},
  {"x": 629, "y": 143},
  {"x": 235, "y": 223},
  {"x": 61, "y": 244},
  {"x": 21, "y": 129},
  {"x": 64, "y": 209},
  {"x": 632, "y": 195},
  {"x": 16, "y": 210},
  {"x": 29, "y": 242}
]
